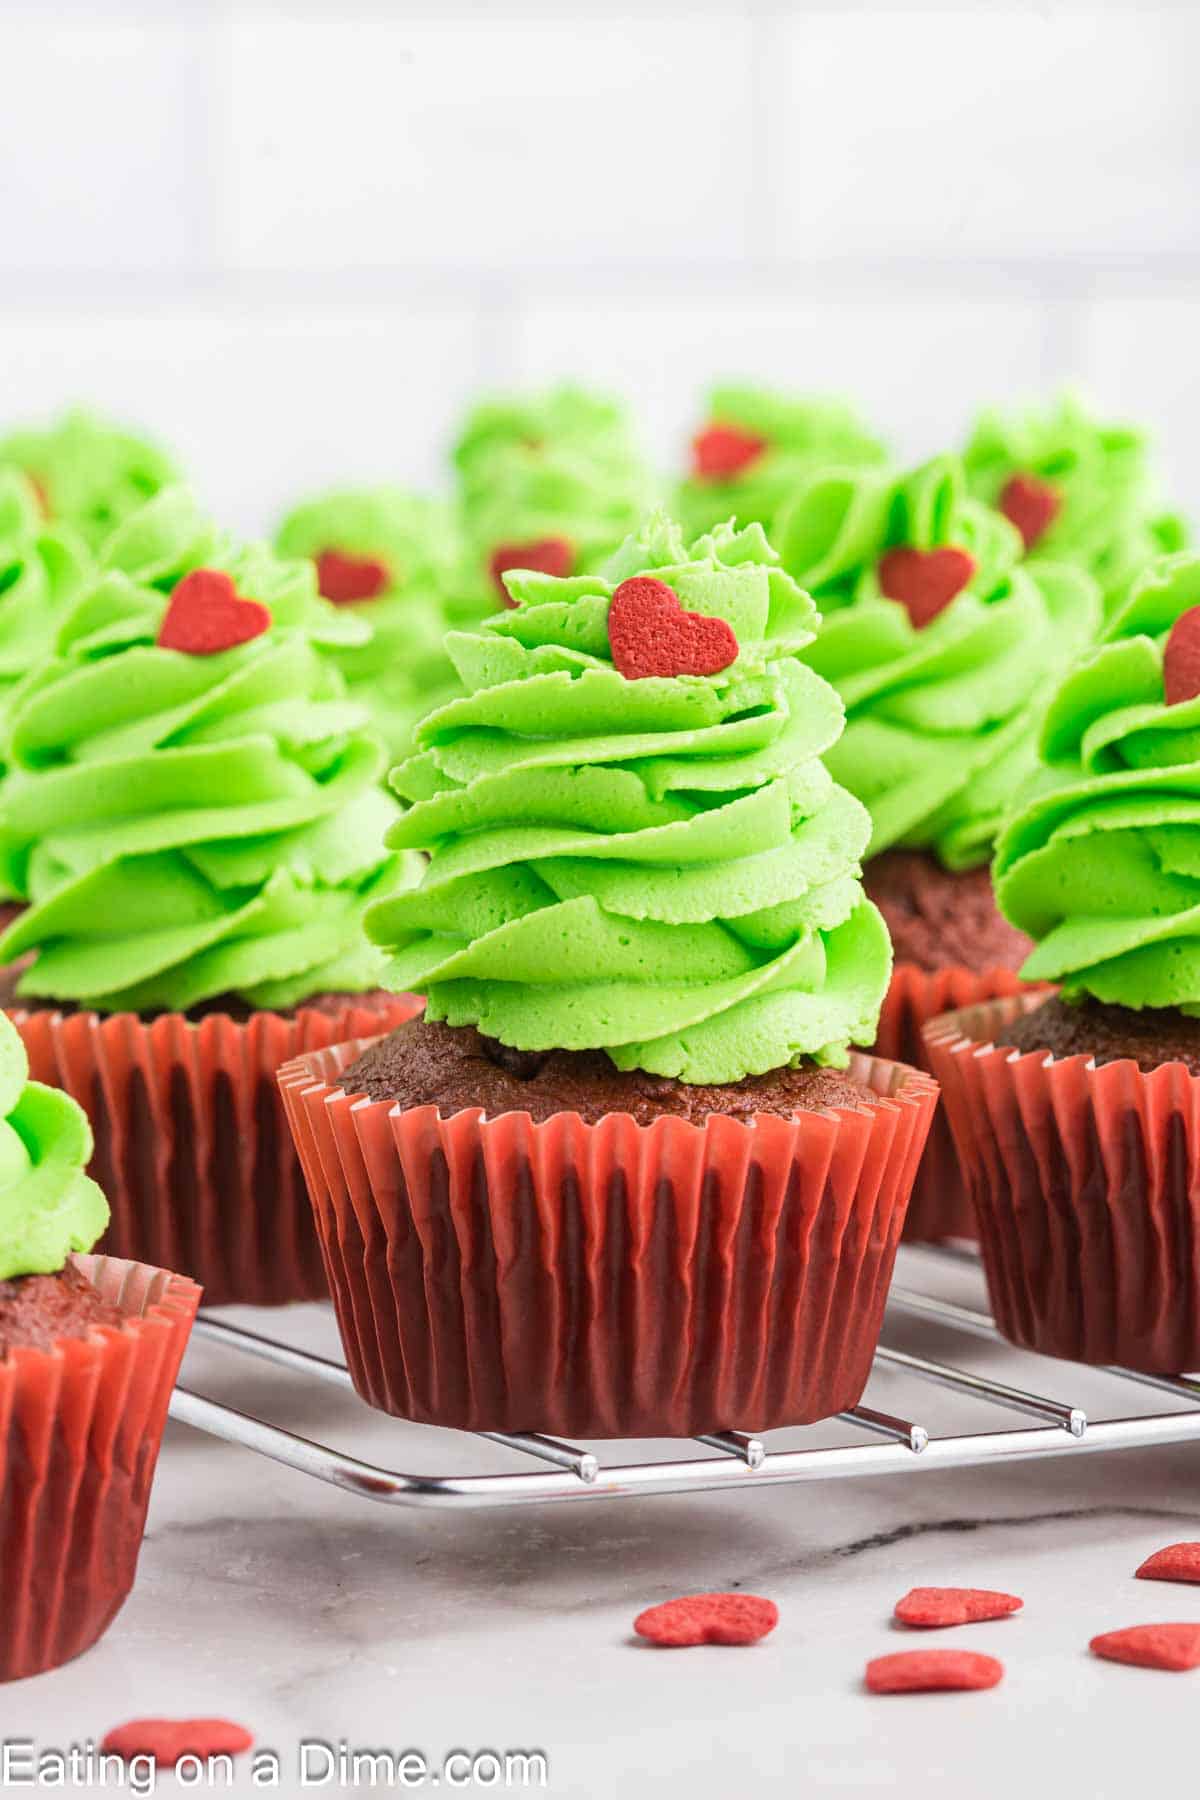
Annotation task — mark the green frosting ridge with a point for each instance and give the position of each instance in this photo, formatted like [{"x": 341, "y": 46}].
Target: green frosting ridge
[
  {"x": 1101, "y": 866},
  {"x": 941, "y": 719},
  {"x": 1111, "y": 521},
  {"x": 802, "y": 433},
  {"x": 48, "y": 1206},
  {"x": 403, "y": 670},
  {"x": 661, "y": 868},
  {"x": 43, "y": 567},
  {"x": 90, "y": 473},
  {"x": 564, "y": 463},
  {"x": 187, "y": 826}
]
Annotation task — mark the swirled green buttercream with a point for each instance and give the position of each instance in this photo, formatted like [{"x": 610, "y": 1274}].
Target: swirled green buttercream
[
  {"x": 1110, "y": 519},
  {"x": 941, "y": 717},
  {"x": 193, "y": 825},
  {"x": 1102, "y": 864},
  {"x": 403, "y": 670},
  {"x": 797, "y": 434},
  {"x": 89, "y": 473},
  {"x": 659, "y": 867},
  {"x": 563, "y": 466},
  {"x": 48, "y": 1206},
  {"x": 43, "y": 567}
]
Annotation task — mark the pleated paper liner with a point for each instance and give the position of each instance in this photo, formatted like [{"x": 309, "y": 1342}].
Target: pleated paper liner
[
  {"x": 80, "y": 1427},
  {"x": 192, "y": 1149},
  {"x": 939, "y": 1207},
  {"x": 1086, "y": 1186},
  {"x": 607, "y": 1280}
]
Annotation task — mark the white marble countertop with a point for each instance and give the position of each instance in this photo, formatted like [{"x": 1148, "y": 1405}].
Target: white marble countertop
[{"x": 306, "y": 1613}]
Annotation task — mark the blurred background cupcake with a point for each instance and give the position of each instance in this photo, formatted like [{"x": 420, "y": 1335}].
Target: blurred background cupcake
[
  {"x": 193, "y": 811},
  {"x": 88, "y": 473},
  {"x": 1075, "y": 1115},
  {"x": 646, "y": 952}
]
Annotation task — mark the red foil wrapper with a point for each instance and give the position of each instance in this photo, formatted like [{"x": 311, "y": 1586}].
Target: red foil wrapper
[
  {"x": 80, "y": 1427},
  {"x": 608, "y": 1280},
  {"x": 192, "y": 1150},
  {"x": 939, "y": 1207},
  {"x": 1086, "y": 1185}
]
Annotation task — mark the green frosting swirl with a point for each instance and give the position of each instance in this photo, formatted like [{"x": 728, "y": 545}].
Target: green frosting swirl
[
  {"x": 403, "y": 670},
  {"x": 801, "y": 432},
  {"x": 1102, "y": 865},
  {"x": 659, "y": 867},
  {"x": 563, "y": 464},
  {"x": 942, "y": 719},
  {"x": 90, "y": 473},
  {"x": 48, "y": 1206},
  {"x": 1111, "y": 521},
  {"x": 188, "y": 826},
  {"x": 42, "y": 569}
]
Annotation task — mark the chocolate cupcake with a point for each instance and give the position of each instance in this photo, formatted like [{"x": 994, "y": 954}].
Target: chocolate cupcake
[
  {"x": 1078, "y": 489},
  {"x": 756, "y": 447},
  {"x": 388, "y": 555},
  {"x": 193, "y": 811},
  {"x": 1075, "y": 1116},
  {"x": 943, "y": 644},
  {"x": 624, "y": 1176},
  {"x": 89, "y": 1351}
]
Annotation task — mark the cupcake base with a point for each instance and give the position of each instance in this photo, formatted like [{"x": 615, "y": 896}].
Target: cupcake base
[
  {"x": 1086, "y": 1187},
  {"x": 608, "y": 1279},
  {"x": 192, "y": 1149},
  {"x": 80, "y": 1427},
  {"x": 940, "y": 1206}
]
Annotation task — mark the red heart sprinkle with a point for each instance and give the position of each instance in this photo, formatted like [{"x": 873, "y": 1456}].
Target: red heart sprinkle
[
  {"x": 650, "y": 634},
  {"x": 1178, "y": 1562},
  {"x": 549, "y": 556},
  {"x": 708, "y": 1619},
  {"x": 1151, "y": 1646},
  {"x": 925, "y": 581},
  {"x": 930, "y": 1606},
  {"x": 932, "y": 1671},
  {"x": 344, "y": 579},
  {"x": 720, "y": 452},
  {"x": 206, "y": 614},
  {"x": 1031, "y": 505},
  {"x": 1181, "y": 659},
  {"x": 166, "y": 1740}
]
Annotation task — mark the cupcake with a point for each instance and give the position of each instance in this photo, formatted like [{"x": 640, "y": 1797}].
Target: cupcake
[
  {"x": 756, "y": 446},
  {"x": 624, "y": 1176},
  {"x": 1076, "y": 1116},
  {"x": 388, "y": 555},
  {"x": 193, "y": 812},
  {"x": 552, "y": 482},
  {"x": 89, "y": 1351},
  {"x": 1078, "y": 490},
  {"x": 943, "y": 644},
  {"x": 89, "y": 474}
]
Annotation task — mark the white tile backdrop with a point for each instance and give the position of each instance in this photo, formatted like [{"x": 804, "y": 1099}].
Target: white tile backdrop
[{"x": 294, "y": 238}]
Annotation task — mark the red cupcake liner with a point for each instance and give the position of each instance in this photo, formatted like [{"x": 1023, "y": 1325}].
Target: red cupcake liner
[
  {"x": 612, "y": 1279},
  {"x": 192, "y": 1149},
  {"x": 1086, "y": 1185},
  {"x": 80, "y": 1427},
  {"x": 939, "y": 1207}
]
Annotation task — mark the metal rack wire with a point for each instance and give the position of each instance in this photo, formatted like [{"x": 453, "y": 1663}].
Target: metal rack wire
[{"x": 883, "y": 1443}]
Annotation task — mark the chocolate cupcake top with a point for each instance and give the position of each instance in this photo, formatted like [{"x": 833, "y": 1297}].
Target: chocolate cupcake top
[
  {"x": 192, "y": 805},
  {"x": 757, "y": 446},
  {"x": 89, "y": 473},
  {"x": 943, "y": 644},
  {"x": 1079, "y": 489},
  {"x": 48, "y": 1206},
  {"x": 552, "y": 481},
  {"x": 1102, "y": 865},
  {"x": 389, "y": 555},
  {"x": 634, "y": 845}
]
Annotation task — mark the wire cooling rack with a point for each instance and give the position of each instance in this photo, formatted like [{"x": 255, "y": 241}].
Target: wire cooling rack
[{"x": 881, "y": 1443}]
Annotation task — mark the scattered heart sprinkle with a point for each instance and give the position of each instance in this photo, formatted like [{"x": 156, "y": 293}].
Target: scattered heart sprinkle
[
  {"x": 720, "y": 452},
  {"x": 932, "y": 1671},
  {"x": 1031, "y": 505},
  {"x": 650, "y": 634},
  {"x": 925, "y": 581},
  {"x": 345, "y": 579},
  {"x": 166, "y": 1740},
  {"x": 206, "y": 614},
  {"x": 931, "y": 1606},
  {"x": 708, "y": 1619}
]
